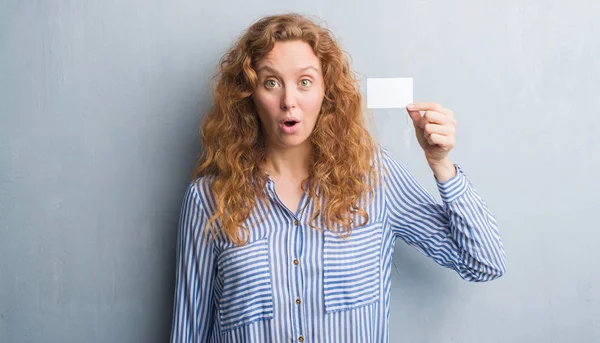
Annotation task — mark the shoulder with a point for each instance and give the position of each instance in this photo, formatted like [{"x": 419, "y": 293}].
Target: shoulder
[
  {"x": 382, "y": 157},
  {"x": 202, "y": 183},
  {"x": 200, "y": 190}
]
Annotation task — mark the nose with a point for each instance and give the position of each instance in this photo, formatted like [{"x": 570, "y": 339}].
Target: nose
[{"x": 289, "y": 100}]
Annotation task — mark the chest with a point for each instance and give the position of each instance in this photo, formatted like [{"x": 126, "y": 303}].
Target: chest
[
  {"x": 289, "y": 192},
  {"x": 303, "y": 266}
]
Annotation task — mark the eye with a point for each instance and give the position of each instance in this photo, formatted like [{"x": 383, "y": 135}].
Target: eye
[
  {"x": 271, "y": 83},
  {"x": 305, "y": 82}
]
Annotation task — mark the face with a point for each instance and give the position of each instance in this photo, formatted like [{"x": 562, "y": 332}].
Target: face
[{"x": 289, "y": 93}]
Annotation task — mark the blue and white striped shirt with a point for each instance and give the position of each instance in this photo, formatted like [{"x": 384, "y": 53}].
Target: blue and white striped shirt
[{"x": 293, "y": 283}]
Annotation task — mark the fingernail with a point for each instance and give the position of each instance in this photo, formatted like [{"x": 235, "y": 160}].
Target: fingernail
[{"x": 410, "y": 106}]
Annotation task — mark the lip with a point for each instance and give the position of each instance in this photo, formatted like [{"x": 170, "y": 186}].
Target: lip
[
  {"x": 290, "y": 119},
  {"x": 289, "y": 129}
]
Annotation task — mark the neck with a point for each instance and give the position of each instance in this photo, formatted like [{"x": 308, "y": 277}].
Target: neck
[{"x": 288, "y": 162}]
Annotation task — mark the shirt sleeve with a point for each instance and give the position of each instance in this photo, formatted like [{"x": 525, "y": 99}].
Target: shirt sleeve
[
  {"x": 461, "y": 233},
  {"x": 195, "y": 271}
]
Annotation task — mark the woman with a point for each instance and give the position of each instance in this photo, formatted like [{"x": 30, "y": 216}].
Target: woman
[{"x": 288, "y": 228}]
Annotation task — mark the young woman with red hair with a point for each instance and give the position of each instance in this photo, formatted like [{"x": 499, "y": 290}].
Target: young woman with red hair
[{"x": 288, "y": 227}]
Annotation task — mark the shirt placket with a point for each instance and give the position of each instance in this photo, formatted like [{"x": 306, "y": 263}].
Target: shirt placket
[{"x": 295, "y": 277}]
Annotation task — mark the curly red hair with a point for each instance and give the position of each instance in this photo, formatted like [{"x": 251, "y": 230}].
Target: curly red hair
[{"x": 234, "y": 147}]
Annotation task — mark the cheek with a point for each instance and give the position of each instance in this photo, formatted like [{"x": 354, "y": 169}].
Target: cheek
[
  {"x": 313, "y": 102},
  {"x": 312, "y": 109},
  {"x": 266, "y": 105}
]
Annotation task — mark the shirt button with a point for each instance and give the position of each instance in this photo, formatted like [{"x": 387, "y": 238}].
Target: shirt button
[
  {"x": 298, "y": 301},
  {"x": 296, "y": 222},
  {"x": 300, "y": 339},
  {"x": 296, "y": 262}
]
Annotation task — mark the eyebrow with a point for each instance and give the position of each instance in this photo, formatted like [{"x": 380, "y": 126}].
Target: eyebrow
[{"x": 272, "y": 70}]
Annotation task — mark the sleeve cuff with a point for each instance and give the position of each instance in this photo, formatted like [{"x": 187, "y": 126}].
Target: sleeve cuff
[{"x": 453, "y": 188}]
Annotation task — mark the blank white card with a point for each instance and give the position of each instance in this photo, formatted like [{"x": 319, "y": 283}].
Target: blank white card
[{"x": 389, "y": 92}]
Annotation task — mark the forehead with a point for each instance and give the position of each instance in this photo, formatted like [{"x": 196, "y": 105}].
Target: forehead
[{"x": 290, "y": 55}]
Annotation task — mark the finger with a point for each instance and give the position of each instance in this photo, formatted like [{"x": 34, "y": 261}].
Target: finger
[
  {"x": 430, "y": 106},
  {"x": 444, "y": 142},
  {"x": 443, "y": 130},
  {"x": 435, "y": 117},
  {"x": 425, "y": 106},
  {"x": 415, "y": 116}
]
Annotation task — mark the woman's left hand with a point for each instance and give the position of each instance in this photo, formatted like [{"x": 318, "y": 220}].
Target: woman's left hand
[{"x": 436, "y": 130}]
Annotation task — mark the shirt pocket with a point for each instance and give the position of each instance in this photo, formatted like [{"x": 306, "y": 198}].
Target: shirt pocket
[
  {"x": 247, "y": 294},
  {"x": 351, "y": 268}
]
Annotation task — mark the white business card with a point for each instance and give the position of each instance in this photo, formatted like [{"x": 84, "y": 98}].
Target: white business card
[{"x": 389, "y": 92}]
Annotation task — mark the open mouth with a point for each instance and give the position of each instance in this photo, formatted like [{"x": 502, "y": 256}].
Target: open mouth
[{"x": 290, "y": 126}]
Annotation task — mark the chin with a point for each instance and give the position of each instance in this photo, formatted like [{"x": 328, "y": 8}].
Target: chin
[{"x": 295, "y": 142}]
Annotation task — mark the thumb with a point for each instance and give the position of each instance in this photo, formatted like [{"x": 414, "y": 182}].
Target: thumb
[{"x": 415, "y": 116}]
